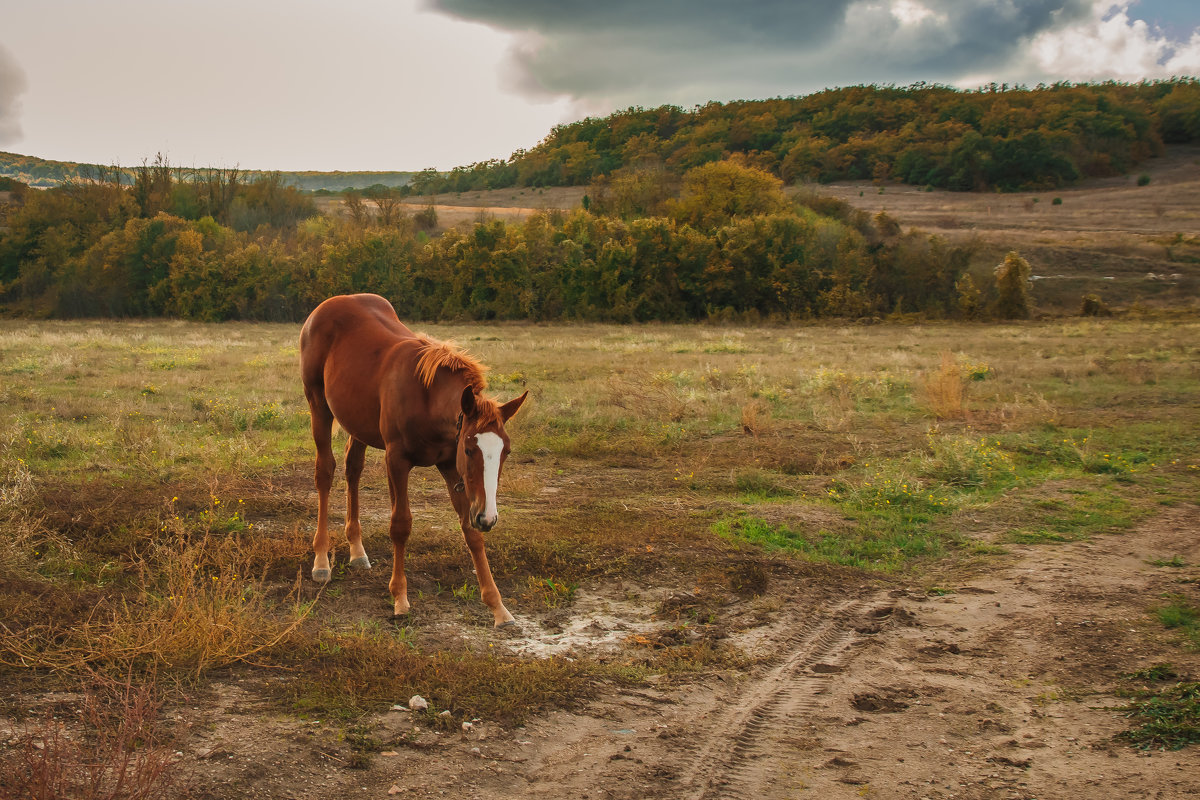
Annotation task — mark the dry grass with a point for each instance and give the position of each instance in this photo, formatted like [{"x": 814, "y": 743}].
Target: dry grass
[
  {"x": 196, "y": 605},
  {"x": 157, "y": 496},
  {"x": 946, "y": 389}
]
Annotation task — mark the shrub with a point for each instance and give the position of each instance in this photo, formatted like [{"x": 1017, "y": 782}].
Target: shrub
[
  {"x": 1012, "y": 287},
  {"x": 946, "y": 390},
  {"x": 1093, "y": 306}
]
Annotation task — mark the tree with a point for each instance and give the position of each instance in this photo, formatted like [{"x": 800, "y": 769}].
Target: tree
[
  {"x": 1012, "y": 287},
  {"x": 714, "y": 194},
  {"x": 387, "y": 200}
]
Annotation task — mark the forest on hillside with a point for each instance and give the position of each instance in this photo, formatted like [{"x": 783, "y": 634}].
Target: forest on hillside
[
  {"x": 729, "y": 245},
  {"x": 995, "y": 138}
]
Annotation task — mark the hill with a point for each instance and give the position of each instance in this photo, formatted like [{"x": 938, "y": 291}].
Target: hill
[
  {"x": 44, "y": 173},
  {"x": 995, "y": 138}
]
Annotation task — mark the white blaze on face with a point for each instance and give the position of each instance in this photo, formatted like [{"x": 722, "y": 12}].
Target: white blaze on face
[{"x": 490, "y": 447}]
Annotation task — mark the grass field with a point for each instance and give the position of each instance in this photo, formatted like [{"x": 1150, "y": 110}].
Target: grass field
[{"x": 157, "y": 501}]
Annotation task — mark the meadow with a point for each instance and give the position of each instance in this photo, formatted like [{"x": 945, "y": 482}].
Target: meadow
[{"x": 157, "y": 504}]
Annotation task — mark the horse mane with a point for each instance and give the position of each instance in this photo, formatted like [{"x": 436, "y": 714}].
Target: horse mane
[{"x": 435, "y": 354}]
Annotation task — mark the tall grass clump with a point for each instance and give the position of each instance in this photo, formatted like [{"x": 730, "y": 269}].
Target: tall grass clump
[
  {"x": 946, "y": 389},
  {"x": 966, "y": 462},
  {"x": 110, "y": 748},
  {"x": 196, "y": 604}
]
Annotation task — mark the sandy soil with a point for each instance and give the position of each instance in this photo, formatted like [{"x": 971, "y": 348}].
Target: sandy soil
[{"x": 1004, "y": 687}]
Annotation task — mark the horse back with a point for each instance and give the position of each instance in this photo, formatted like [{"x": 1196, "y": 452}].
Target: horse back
[{"x": 346, "y": 344}]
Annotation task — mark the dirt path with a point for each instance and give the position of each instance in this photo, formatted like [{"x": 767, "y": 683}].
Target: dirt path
[{"x": 1003, "y": 687}]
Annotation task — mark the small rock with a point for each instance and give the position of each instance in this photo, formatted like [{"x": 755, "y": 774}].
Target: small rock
[
  {"x": 399, "y": 708},
  {"x": 476, "y": 750},
  {"x": 418, "y": 703},
  {"x": 395, "y": 789},
  {"x": 467, "y": 727},
  {"x": 445, "y": 713}
]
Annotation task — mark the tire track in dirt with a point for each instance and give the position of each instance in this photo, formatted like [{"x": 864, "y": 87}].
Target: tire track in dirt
[{"x": 737, "y": 761}]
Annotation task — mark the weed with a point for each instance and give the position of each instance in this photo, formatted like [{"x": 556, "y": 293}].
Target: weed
[
  {"x": 964, "y": 461},
  {"x": 468, "y": 592},
  {"x": 758, "y": 484},
  {"x": 551, "y": 592},
  {"x": 1170, "y": 718},
  {"x": 1173, "y": 561},
  {"x": 1180, "y": 614},
  {"x": 1158, "y": 672},
  {"x": 112, "y": 749}
]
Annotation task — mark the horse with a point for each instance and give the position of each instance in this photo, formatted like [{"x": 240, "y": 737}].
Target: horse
[{"x": 419, "y": 400}]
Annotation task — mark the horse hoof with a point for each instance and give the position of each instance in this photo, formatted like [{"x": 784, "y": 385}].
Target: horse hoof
[
  {"x": 320, "y": 575},
  {"x": 510, "y": 626},
  {"x": 362, "y": 562}
]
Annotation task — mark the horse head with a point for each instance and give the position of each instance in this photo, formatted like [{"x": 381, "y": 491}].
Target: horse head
[{"x": 483, "y": 446}]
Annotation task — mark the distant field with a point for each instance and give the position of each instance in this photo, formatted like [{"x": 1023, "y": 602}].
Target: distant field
[{"x": 1112, "y": 236}]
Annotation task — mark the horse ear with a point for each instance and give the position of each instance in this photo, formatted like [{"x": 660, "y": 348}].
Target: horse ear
[
  {"x": 510, "y": 408},
  {"x": 468, "y": 401}
]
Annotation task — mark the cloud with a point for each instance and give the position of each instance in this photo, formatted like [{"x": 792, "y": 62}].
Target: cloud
[
  {"x": 1111, "y": 45},
  {"x": 689, "y": 51},
  {"x": 12, "y": 86}
]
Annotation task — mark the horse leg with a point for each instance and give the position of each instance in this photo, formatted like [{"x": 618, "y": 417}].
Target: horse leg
[
  {"x": 355, "y": 455},
  {"x": 322, "y": 431},
  {"x": 487, "y": 585},
  {"x": 401, "y": 526}
]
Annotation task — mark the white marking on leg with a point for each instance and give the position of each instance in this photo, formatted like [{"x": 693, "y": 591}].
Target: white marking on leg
[{"x": 490, "y": 446}]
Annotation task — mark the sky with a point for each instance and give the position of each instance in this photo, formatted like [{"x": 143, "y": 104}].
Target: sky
[{"x": 411, "y": 84}]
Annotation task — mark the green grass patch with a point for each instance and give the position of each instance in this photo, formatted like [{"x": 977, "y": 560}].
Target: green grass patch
[
  {"x": 1170, "y": 717},
  {"x": 874, "y": 545},
  {"x": 1180, "y": 615},
  {"x": 1074, "y": 514}
]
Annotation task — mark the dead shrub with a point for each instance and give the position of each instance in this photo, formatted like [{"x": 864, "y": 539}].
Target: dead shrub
[
  {"x": 1092, "y": 306},
  {"x": 756, "y": 418},
  {"x": 946, "y": 389},
  {"x": 651, "y": 397},
  {"x": 113, "y": 749}
]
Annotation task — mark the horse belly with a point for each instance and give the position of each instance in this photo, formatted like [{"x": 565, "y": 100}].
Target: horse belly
[{"x": 355, "y": 408}]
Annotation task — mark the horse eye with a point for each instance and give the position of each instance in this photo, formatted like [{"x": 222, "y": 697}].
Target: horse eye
[{"x": 470, "y": 452}]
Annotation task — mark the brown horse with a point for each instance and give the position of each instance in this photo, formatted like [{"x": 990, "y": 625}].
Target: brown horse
[{"x": 418, "y": 400}]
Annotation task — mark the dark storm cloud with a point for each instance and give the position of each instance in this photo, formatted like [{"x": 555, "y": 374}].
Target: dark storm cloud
[
  {"x": 12, "y": 86},
  {"x": 761, "y": 20},
  {"x": 683, "y": 51},
  {"x": 977, "y": 35}
]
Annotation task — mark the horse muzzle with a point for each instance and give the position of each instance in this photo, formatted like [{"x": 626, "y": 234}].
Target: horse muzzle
[{"x": 483, "y": 523}]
